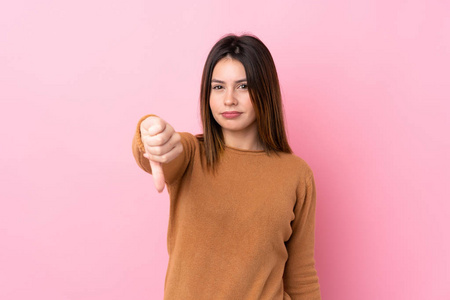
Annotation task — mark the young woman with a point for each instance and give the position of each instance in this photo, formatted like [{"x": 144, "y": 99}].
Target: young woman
[{"x": 242, "y": 206}]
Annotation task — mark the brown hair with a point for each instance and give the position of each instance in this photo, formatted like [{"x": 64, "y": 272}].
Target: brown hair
[{"x": 264, "y": 90}]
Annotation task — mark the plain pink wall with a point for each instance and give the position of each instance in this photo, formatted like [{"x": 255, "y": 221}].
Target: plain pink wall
[{"x": 366, "y": 94}]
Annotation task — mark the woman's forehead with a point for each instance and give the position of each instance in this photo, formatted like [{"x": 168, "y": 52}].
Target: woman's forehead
[{"x": 228, "y": 69}]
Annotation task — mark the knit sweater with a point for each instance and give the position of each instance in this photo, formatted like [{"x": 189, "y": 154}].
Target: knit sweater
[{"x": 245, "y": 231}]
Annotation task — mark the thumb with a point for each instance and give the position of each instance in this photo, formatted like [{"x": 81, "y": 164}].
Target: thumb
[{"x": 158, "y": 175}]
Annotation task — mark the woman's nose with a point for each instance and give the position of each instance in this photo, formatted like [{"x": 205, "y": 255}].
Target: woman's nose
[{"x": 230, "y": 98}]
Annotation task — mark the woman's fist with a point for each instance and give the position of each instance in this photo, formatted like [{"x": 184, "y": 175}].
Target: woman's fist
[{"x": 162, "y": 144}]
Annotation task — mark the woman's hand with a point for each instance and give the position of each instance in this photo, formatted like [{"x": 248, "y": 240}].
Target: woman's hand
[{"x": 162, "y": 145}]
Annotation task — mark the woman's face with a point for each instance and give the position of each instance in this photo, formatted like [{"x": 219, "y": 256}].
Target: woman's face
[{"x": 230, "y": 100}]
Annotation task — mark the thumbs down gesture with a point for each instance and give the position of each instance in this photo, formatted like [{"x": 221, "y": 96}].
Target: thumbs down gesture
[{"x": 162, "y": 144}]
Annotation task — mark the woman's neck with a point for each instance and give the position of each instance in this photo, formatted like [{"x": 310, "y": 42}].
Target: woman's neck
[{"x": 243, "y": 140}]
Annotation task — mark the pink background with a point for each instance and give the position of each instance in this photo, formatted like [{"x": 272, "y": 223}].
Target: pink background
[{"x": 366, "y": 95}]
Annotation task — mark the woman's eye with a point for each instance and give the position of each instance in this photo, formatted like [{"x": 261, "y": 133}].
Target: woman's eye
[
  {"x": 243, "y": 86},
  {"x": 217, "y": 87}
]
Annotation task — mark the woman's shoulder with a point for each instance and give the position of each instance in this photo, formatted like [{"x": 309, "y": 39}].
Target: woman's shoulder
[
  {"x": 294, "y": 163},
  {"x": 191, "y": 139},
  {"x": 193, "y": 144}
]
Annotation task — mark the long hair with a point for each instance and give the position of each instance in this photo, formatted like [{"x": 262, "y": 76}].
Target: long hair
[{"x": 264, "y": 91}]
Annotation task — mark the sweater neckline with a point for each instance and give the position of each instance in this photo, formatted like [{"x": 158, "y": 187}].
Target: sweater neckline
[{"x": 244, "y": 151}]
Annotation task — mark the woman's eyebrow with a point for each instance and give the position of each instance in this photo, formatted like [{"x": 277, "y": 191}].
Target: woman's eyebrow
[{"x": 221, "y": 81}]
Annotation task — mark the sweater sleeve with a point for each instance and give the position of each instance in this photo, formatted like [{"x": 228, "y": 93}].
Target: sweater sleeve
[
  {"x": 175, "y": 168},
  {"x": 300, "y": 275}
]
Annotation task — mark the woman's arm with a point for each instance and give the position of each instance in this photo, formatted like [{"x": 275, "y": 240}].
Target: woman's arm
[{"x": 300, "y": 275}]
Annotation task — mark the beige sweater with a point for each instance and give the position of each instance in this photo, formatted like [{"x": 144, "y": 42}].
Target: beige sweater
[{"x": 246, "y": 232}]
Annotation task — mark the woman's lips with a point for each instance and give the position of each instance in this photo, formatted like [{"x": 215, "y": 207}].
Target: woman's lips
[{"x": 231, "y": 114}]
